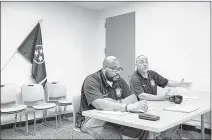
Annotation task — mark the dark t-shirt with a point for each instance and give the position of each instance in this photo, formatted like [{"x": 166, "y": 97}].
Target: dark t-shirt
[
  {"x": 96, "y": 87},
  {"x": 139, "y": 84}
]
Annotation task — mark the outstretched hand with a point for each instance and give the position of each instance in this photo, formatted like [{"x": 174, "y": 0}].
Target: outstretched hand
[{"x": 185, "y": 84}]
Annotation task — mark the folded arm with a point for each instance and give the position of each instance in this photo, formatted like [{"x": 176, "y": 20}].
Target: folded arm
[{"x": 105, "y": 104}]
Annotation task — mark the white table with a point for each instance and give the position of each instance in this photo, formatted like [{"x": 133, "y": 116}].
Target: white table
[{"x": 168, "y": 119}]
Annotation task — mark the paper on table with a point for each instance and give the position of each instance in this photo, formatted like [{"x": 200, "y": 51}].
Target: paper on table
[
  {"x": 119, "y": 113},
  {"x": 190, "y": 97},
  {"x": 180, "y": 108}
]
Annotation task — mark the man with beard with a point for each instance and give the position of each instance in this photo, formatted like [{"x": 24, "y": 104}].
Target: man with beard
[
  {"x": 144, "y": 84},
  {"x": 99, "y": 92}
]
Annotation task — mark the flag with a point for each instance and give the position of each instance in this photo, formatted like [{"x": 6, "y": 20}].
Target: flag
[{"x": 32, "y": 49}]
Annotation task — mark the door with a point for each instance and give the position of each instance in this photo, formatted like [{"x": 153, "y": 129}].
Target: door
[{"x": 120, "y": 41}]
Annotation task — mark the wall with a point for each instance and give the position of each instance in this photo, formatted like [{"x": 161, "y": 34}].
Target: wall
[
  {"x": 69, "y": 42},
  {"x": 68, "y": 31},
  {"x": 175, "y": 36},
  {"x": 171, "y": 34}
]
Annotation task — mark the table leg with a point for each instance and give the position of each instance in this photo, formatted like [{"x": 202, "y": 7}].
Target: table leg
[{"x": 202, "y": 127}]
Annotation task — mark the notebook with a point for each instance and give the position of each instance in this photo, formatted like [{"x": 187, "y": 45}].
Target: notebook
[{"x": 181, "y": 108}]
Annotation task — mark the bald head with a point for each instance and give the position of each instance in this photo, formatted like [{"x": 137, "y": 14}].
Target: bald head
[
  {"x": 111, "y": 61},
  {"x": 111, "y": 68}
]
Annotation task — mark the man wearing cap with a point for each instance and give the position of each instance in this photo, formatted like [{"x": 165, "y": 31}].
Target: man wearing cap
[
  {"x": 106, "y": 90},
  {"x": 144, "y": 83}
]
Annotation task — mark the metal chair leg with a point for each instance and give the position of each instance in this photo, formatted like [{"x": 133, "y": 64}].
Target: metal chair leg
[
  {"x": 34, "y": 121},
  {"x": 64, "y": 112},
  {"x": 15, "y": 120},
  {"x": 43, "y": 121},
  {"x": 59, "y": 115},
  {"x": 56, "y": 117},
  {"x": 26, "y": 119},
  {"x": 20, "y": 119}
]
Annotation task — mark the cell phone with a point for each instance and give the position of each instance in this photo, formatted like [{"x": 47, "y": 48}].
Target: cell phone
[{"x": 148, "y": 117}]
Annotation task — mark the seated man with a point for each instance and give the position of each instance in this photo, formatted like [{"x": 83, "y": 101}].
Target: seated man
[
  {"x": 144, "y": 83},
  {"x": 99, "y": 92}
]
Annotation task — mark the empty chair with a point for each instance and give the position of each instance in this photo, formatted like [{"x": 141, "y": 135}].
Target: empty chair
[
  {"x": 33, "y": 97},
  {"x": 56, "y": 93},
  {"x": 76, "y": 106},
  {"x": 9, "y": 105}
]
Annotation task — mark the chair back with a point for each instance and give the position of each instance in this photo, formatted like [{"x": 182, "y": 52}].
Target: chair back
[
  {"x": 8, "y": 94},
  {"x": 32, "y": 93},
  {"x": 55, "y": 90},
  {"x": 76, "y": 100}
]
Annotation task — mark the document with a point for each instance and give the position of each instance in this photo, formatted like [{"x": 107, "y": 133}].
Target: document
[
  {"x": 190, "y": 97},
  {"x": 181, "y": 108},
  {"x": 119, "y": 113}
]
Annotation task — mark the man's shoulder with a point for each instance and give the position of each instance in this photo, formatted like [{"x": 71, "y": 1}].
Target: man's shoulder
[
  {"x": 134, "y": 76},
  {"x": 93, "y": 77},
  {"x": 152, "y": 72}
]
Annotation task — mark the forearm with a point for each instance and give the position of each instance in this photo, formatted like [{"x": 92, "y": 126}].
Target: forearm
[
  {"x": 173, "y": 84},
  {"x": 103, "y": 104},
  {"x": 149, "y": 97},
  {"x": 130, "y": 99}
]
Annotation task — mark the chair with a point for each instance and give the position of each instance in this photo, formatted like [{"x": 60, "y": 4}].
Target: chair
[
  {"x": 9, "y": 105},
  {"x": 76, "y": 105},
  {"x": 56, "y": 93},
  {"x": 33, "y": 97}
]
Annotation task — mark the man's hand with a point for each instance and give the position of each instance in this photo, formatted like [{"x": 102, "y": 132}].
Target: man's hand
[
  {"x": 185, "y": 84},
  {"x": 140, "y": 105}
]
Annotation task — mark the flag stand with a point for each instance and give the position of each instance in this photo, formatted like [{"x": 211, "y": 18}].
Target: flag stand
[{"x": 9, "y": 59}]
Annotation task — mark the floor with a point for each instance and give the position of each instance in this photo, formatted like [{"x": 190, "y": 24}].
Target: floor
[{"x": 65, "y": 131}]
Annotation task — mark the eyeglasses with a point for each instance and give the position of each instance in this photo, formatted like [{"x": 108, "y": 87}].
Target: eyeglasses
[{"x": 115, "y": 69}]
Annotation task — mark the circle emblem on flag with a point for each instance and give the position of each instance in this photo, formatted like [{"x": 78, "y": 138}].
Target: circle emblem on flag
[
  {"x": 152, "y": 83},
  {"x": 38, "y": 54}
]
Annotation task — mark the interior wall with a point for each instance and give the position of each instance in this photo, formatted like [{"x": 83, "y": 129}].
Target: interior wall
[
  {"x": 175, "y": 36},
  {"x": 69, "y": 42}
]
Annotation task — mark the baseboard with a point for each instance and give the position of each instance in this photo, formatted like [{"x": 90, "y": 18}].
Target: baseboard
[
  {"x": 193, "y": 128},
  {"x": 31, "y": 122}
]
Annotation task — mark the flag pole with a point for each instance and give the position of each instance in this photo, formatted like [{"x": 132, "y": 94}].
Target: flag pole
[{"x": 17, "y": 50}]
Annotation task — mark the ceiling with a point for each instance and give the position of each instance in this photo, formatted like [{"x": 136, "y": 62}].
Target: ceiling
[{"x": 97, "y": 6}]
